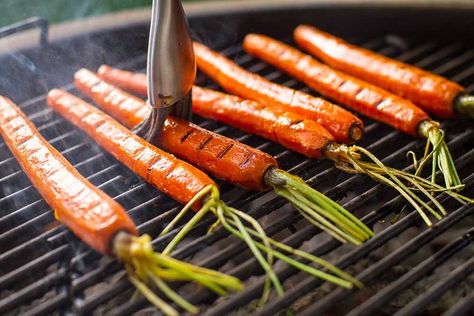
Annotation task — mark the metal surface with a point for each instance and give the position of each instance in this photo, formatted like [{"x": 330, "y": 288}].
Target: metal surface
[
  {"x": 171, "y": 67},
  {"x": 407, "y": 268}
]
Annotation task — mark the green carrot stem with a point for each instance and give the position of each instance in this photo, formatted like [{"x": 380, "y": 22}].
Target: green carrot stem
[
  {"x": 311, "y": 258},
  {"x": 325, "y": 202},
  {"x": 433, "y": 187},
  {"x": 413, "y": 196},
  {"x": 144, "y": 266},
  {"x": 186, "y": 208},
  {"x": 303, "y": 267},
  {"x": 153, "y": 298},
  {"x": 348, "y": 159},
  {"x": 175, "y": 297},
  {"x": 244, "y": 235},
  {"x": 326, "y": 224},
  {"x": 441, "y": 156},
  {"x": 329, "y": 215}
]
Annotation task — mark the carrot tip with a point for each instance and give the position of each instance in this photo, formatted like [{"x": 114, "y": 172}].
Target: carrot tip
[
  {"x": 464, "y": 104},
  {"x": 356, "y": 132},
  {"x": 103, "y": 69}
]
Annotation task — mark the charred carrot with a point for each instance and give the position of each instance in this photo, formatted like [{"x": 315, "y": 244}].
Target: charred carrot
[
  {"x": 435, "y": 94},
  {"x": 96, "y": 218},
  {"x": 134, "y": 152},
  {"x": 363, "y": 97},
  {"x": 227, "y": 109},
  {"x": 255, "y": 171}
]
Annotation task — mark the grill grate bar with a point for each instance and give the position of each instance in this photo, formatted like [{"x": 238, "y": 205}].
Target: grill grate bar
[
  {"x": 391, "y": 232},
  {"x": 298, "y": 294},
  {"x": 439, "y": 55},
  {"x": 436, "y": 291},
  {"x": 50, "y": 306},
  {"x": 35, "y": 265},
  {"x": 463, "y": 307},
  {"x": 323, "y": 305},
  {"x": 389, "y": 292},
  {"x": 455, "y": 62},
  {"x": 306, "y": 285},
  {"x": 468, "y": 72},
  {"x": 31, "y": 291}
]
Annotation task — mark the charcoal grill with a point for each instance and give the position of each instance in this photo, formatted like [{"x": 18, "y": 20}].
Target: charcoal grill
[{"x": 408, "y": 269}]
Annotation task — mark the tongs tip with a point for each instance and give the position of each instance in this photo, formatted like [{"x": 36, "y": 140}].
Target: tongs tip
[{"x": 150, "y": 128}]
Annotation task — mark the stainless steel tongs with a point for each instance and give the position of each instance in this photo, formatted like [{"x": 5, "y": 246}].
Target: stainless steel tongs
[{"x": 171, "y": 68}]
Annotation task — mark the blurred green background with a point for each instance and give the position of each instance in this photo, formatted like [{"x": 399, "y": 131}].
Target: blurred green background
[{"x": 58, "y": 10}]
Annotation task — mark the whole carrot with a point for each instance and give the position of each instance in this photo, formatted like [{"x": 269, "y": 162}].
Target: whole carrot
[
  {"x": 134, "y": 152},
  {"x": 228, "y": 109},
  {"x": 244, "y": 165},
  {"x": 363, "y": 97},
  {"x": 96, "y": 218},
  {"x": 433, "y": 93}
]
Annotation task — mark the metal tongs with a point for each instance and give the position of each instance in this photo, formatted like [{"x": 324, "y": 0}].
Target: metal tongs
[{"x": 171, "y": 68}]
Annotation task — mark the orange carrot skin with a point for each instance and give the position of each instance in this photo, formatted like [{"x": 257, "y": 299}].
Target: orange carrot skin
[
  {"x": 221, "y": 156},
  {"x": 174, "y": 177},
  {"x": 356, "y": 94},
  {"x": 433, "y": 93},
  {"x": 90, "y": 213},
  {"x": 236, "y": 80},
  {"x": 289, "y": 129},
  {"x": 129, "y": 80}
]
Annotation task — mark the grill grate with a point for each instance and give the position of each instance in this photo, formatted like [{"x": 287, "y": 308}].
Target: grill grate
[{"x": 45, "y": 269}]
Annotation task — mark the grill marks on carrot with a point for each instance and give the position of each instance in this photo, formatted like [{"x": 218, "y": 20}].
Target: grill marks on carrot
[
  {"x": 225, "y": 151},
  {"x": 185, "y": 136},
  {"x": 289, "y": 129},
  {"x": 207, "y": 150},
  {"x": 349, "y": 91},
  {"x": 204, "y": 143}
]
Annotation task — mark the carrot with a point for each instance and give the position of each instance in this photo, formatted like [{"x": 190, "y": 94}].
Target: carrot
[
  {"x": 433, "y": 93},
  {"x": 363, "y": 97},
  {"x": 343, "y": 125},
  {"x": 221, "y": 106},
  {"x": 178, "y": 137},
  {"x": 95, "y": 217},
  {"x": 126, "y": 147}
]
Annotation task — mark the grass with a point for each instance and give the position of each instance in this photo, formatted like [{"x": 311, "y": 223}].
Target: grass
[{"x": 60, "y": 10}]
